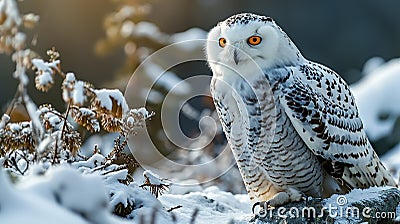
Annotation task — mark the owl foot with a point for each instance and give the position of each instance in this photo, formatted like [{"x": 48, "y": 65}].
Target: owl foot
[
  {"x": 284, "y": 197},
  {"x": 281, "y": 198},
  {"x": 304, "y": 198},
  {"x": 262, "y": 211},
  {"x": 263, "y": 206}
]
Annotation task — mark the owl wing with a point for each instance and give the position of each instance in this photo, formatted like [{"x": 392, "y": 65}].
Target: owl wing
[{"x": 323, "y": 111}]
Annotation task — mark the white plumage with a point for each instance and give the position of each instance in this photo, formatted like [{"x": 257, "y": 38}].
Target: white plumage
[{"x": 292, "y": 124}]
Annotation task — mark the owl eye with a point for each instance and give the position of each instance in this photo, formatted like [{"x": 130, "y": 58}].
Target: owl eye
[
  {"x": 254, "y": 40},
  {"x": 222, "y": 42}
]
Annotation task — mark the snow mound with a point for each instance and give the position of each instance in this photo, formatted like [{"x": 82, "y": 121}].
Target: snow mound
[
  {"x": 392, "y": 162},
  {"x": 62, "y": 195},
  {"x": 209, "y": 206},
  {"x": 377, "y": 96}
]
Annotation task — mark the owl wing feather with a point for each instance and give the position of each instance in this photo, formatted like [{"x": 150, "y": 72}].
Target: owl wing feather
[
  {"x": 222, "y": 110},
  {"x": 322, "y": 109}
]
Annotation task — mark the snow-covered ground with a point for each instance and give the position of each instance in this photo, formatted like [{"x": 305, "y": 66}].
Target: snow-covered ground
[
  {"x": 65, "y": 195},
  {"x": 212, "y": 205}
]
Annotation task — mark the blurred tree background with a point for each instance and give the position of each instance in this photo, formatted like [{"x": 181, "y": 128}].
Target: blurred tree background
[{"x": 341, "y": 34}]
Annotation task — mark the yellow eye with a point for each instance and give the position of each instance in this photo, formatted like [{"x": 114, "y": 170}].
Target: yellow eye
[
  {"x": 254, "y": 40},
  {"x": 222, "y": 42}
]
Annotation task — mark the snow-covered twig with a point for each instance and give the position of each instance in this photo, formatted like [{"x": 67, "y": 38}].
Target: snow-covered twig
[{"x": 155, "y": 183}]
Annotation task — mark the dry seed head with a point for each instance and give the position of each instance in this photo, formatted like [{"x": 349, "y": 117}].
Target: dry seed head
[
  {"x": 45, "y": 72},
  {"x": 30, "y": 20},
  {"x": 9, "y": 15},
  {"x": 67, "y": 87},
  {"x": 110, "y": 101},
  {"x": 75, "y": 91},
  {"x": 44, "y": 81},
  {"x": 72, "y": 141},
  {"x": 135, "y": 118},
  {"x": 87, "y": 118},
  {"x": 51, "y": 119},
  {"x": 110, "y": 123},
  {"x": 17, "y": 136},
  {"x": 53, "y": 54}
]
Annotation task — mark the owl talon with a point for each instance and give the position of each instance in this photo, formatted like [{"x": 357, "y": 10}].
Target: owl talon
[
  {"x": 304, "y": 197},
  {"x": 255, "y": 205},
  {"x": 263, "y": 204}
]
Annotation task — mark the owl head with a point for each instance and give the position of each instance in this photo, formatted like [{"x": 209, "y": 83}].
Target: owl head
[{"x": 247, "y": 38}]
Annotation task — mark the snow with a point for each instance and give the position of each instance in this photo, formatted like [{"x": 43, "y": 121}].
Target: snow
[
  {"x": 105, "y": 97},
  {"x": 128, "y": 195},
  {"x": 154, "y": 179},
  {"x": 91, "y": 116},
  {"x": 31, "y": 17},
  {"x": 14, "y": 127},
  {"x": 146, "y": 29},
  {"x": 214, "y": 206},
  {"x": 54, "y": 119},
  {"x": 20, "y": 74},
  {"x": 372, "y": 64},
  {"x": 186, "y": 39},
  {"x": 32, "y": 111},
  {"x": 377, "y": 94},
  {"x": 127, "y": 29},
  {"x": 62, "y": 195},
  {"x": 190, "y": 34},
  {"x": 86, "y": 111},
  {"x": 12, "y": 17},
  {"x": 184, "y": 186},
  {"x": 44, "y": 66},
  {"x": 66, "y": 192},
  {"x": 42, "y": 147},
  {"x": 78, "y": 94},
  {"x": 26, "y": 127},
  {"x": 142, "y": 111},
  {"x": 77, "y": 194},
  {"x": 69, "y": 188},
  {"x": 4, "y": 120},
  {"x": 46, "y": 78},
  {"x": 167, "y": 79},
  {"x": 152, "y": 95},
  {"x": 104, "y": 143},
  {"x": 94, "y": 161},
  {"x": 22, "y": 127},
  {"x": 70, "y": 77},
  {"x": 392, "y": 162},
  {"x": 19, "y": 40},
  {"x": 125, "y": 12},
  {"x": 130, "y": 121}
]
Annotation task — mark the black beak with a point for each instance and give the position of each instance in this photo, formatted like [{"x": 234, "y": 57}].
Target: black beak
[{"x": 235, "y": 57}]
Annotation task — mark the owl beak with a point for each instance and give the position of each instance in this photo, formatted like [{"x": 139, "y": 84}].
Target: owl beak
[{"x": 235, "y": 57}]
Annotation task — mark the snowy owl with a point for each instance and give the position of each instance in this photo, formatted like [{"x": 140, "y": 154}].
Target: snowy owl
[{"x": 292, "y": 124}]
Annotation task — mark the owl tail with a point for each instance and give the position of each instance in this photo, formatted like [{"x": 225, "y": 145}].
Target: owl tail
[{"x": 373, "y": 174}]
